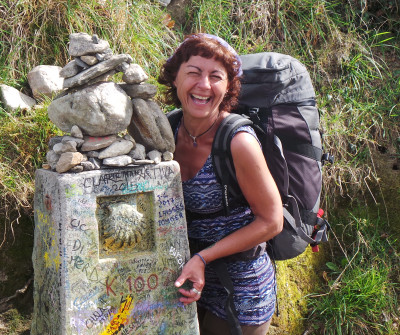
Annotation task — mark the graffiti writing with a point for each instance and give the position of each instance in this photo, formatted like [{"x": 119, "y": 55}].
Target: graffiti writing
[
  {"x": 121, "y": 318},
  {"x": 179, "y": 258}
]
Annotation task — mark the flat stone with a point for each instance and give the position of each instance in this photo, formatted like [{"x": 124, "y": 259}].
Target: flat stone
[
  {"x": 134, "y": 74},
  {"x": 96, "y": 70},
  {"x": 118, "y": 148},
  {"x": 143, "y": 127},
  {"x": 13, "y": 99},
  {"x": 68, "y": 160},
  {"x": 45, "y": 80},
  {"x": 89, "y": 59},
  {"x": 102, "y": 78},
  {"x": 96, "y": 143},
  {"x": 122, "y": 160},
  {"x": 78, "y": 141},
  {"x": 143, "y": 162},
  {"x": 98, "y": 110},
  {"x": 140, "y": 91},
  {"x": 67, "y": 146},
  {"x": 70, "y": 69},
  {"x": 82, "y": 44}
]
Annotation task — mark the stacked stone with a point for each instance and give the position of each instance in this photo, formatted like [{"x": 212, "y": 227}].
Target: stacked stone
[{"x": 96, "y": 112}]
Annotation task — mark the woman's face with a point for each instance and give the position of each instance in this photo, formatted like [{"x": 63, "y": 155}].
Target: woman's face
[{"x": 201, "y": 85}]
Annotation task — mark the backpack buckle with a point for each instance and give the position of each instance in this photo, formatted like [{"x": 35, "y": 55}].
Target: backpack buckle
[
  {"x": 253, "y": 114},
  {"x": 327, "y": 157}
]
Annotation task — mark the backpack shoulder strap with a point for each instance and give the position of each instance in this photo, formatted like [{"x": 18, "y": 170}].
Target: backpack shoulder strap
[
  {"x": 174, "y": 117},
  {"x": 222, "y": 157}
]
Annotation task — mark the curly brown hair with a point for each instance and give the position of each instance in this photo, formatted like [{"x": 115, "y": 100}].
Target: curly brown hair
[{"x": 207, "y": 46}]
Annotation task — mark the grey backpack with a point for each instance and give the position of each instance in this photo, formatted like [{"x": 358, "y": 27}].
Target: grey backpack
[{"x": 278, "y": 99}]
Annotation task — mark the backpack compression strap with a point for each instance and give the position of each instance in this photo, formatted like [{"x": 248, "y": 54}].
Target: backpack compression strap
[{"x": 222, "y": 157}]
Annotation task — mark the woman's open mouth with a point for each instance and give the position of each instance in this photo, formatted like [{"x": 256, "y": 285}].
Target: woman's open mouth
[{"x": 200, "y": 99}]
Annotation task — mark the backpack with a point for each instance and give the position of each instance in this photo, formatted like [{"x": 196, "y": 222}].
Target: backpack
[{"x": 278, "y": 100}]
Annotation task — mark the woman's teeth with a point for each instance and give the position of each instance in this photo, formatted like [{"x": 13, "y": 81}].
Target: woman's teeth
[{"x": 200, "y": 99}]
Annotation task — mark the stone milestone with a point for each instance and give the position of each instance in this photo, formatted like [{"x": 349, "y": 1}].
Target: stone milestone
[{"x": 109, "y": 245}]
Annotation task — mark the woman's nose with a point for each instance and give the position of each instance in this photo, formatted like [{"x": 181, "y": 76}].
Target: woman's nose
[{"x": 204, "y": 82}]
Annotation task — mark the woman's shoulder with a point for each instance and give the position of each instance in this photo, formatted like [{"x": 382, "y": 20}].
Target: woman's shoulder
[{"x": 246, "y": 129}]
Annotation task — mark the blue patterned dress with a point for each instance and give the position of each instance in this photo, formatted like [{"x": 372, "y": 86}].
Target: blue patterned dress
[{"x": 254, "y": 280}]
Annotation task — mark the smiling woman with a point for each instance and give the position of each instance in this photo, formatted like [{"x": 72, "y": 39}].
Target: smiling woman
[
  {"x": 201, "y": 85},
  {"x": 202, "y": 77}
]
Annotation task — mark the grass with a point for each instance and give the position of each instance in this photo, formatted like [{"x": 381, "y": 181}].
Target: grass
[
  {"x": 360, "y": 296},
  {"x": 352, "y": 53},
  {"x": 38, "y": 32},
  {"x": 16, "y": 323},
  {"x": 23, "y": 146}
]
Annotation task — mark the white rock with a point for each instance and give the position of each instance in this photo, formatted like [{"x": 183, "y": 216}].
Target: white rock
[
  {"x": 134, "y": 74},
  {"x": 164, "y": 2},
  {"x": 122, "y": 160},
  {"x": 45, "y": 80},
  {"x": 98, "y": 110},
  {"x": 168, "y": 156},
  {"x": 13, "y": 99},
  {"x": 155, "y": 156},
  {"x": 82, "y": 44},
  {"x": 118, "y": 148}
]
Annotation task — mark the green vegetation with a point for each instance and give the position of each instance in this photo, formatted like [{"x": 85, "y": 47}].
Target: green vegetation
[
  {"x": 352, "y": 52},
  {"x": 361, "y": 280}
]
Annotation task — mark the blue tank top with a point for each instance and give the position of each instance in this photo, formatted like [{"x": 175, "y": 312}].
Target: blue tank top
[{"x": 253, "y": 280}]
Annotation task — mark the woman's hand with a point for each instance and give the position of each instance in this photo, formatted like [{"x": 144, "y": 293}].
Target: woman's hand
[{"x": 194, "y": 272}]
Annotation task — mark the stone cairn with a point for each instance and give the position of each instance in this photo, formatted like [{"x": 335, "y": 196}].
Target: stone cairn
[{"x": 106, "y": 124}]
